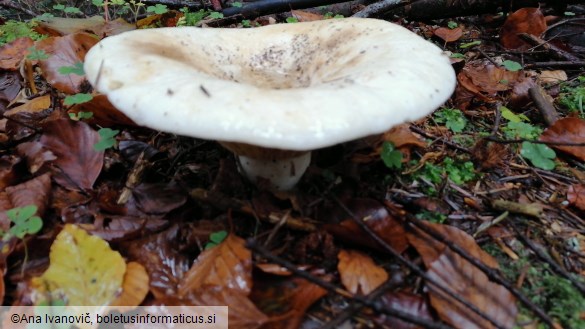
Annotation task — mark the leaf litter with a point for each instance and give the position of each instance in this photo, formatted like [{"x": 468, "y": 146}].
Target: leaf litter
[{"x": 154, "y": 241}]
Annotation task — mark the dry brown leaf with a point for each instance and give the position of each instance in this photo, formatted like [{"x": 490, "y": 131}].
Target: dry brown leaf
[
  {"x": 35, "y": 155},
  {"x": 78, "y": 164},
  {"x": 8, "y": 172},
  {"x": 524, "y": 20},
  {"x": 135, "y": 286},
  {"x": 65, "y": 51},
  {"x": 11, "y": 84},
  {"x": 305, "y": 16},
  {"x": 567, "y": 130},
  {"x": 35, "y": 105},
  {"x": 11, "y": 54},
  {"x": 228, "y": 265},
  {"x": 94, "y": 24},
  {"x": 449, "y": 35},
  {"x": 451, "y": 270},
  {"x": 401, "y": 136},
  {"x": 576, "y": 196},
  {"x": 359, "y": 274},
  {"x": 33, "y": 192},
  {"x": 552, "y": 77}
]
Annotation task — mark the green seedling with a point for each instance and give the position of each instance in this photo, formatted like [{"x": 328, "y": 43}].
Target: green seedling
[
  {"x": 237, "y": 4},
  {"x": 573, "y": 97},
  {"x": 470, "y": 44},
  {"x": 452, "y": 25},
  {"x": 329, "y": 15},
  {"x": 24, "y": 222},
  {"x": 158, "y": 9},
  {"x": 458, "y": 172},
  {"x": 215, "y": 15},
  {"x": 457, "y": 55},
  {"x": 246, "y": 23},
  {"x": 191, "y": 18},
  {"x": 76, "y": 69},
  {"x": 107, "y": 139},
  {"x": 452, "y": 118},
  {"x": 77, "y": 99},
  {"x": 512, "y": 66},
  {"x": 215, "y": 239},
  {"x": 513, "y": 117},
  {"x": 12, "y": 30},
  {"x": 80, "y": 115},
  {"x": 431, "y": 216},
  {"x": 391, "y": 156},
  {"x": 292, "y": 20},
  {"x": 67, "y": 9},
  {"x": 36, "y": 54}
]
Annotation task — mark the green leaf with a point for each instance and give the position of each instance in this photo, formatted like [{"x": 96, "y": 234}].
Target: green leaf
[
  {"x": 292, "y": 20},
  {"x": 521, "y": 130},
  {"x": 80, "y": 115},
  {"x": 540, "y": 155},
  {"x": 24, "y": 221},
  {"x": 36, "y": 54},
  {"x": 457, "y": 55},
  {"x": 107, "y": 139},
  {"x": 237, "y": 4},
  {"x": 512, "y": 66},
  {"x": 59, "y": 7},
  {"x": 511, "y": 116},
  {"x": 452, "y": 24},
  {"x": 392, "y": 158},
  {"x": 246, "y": 23},
  {"x": 470, "y": 44},
  {"x": 569, "y": 13},
  {"x": 215, "y": 239},
  {"x": 215, "y": 15},
  {"x": 76, "y": 69},
  {"x": 98, "y": 3},
  {"x": 72, "y": 10},
  {"x": 452, "y": 118},
  {"x": 77, "y": 99},
  {"x": 157, "y": 9}
]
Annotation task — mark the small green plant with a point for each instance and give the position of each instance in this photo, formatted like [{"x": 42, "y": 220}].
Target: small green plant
[
  {"x": 452, "y": 25},
  {"x": 452, "y": 118},
  {"x": 459, "y": 172},
  {"x": 237, "y": 4},
  {"x": 67, "y": 10},
  {"x": 573, "y": 97},
  {"x": 215, "y": 239},
  {"x": 24, "y": 222},
  {"x": 431, "y": 216},
  {"x": 12, "y": 30},
  {"x": 76, "y": 69},
  {"x": 77, "y": 99},
  {"x": 512, "y": 66},
  {"x": 513, "y": 117},
  {"x": 246, "y": 23},
  {"x": 80, "y": 115},
  {"x": 36, "y": 54},
  {"x": 470, "y": 44},
  {"x": 329, "y": 15},
  {"x": 215, "y": 15},
  {"x": 158, "y": 9},
  {"x": 191, "y": 18},
  {"x": 391, "y": 156},
  {"x": 107, "y": 139},
  {"x": 457, "y": 55},
  {"x": 540, "y": 155},
  {"x": 292, "y": 20}
]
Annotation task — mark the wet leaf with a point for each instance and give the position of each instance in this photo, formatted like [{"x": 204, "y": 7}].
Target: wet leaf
[
  {"x": 83, "y": 270},
  {"x": 449, "y": 35},
  {"x": 65, "y": 51},
  {"x": 524, "y": 20},
  {"x": 414, "y": 305},
  {"x": 576, "y": 196},
  {"x": 567, "y": 130},
  {"x": 13, "y": 53},
  {"x": 78, "y": 164},
  {"x": 135, "y": 286},
  {"x": 159, "y": 198},
  {"x": 229, "y": 265},
  {"x": 463, "y": 278},
  {"x": 359, "y": 274},
  {"x": 94, "y": 24}
]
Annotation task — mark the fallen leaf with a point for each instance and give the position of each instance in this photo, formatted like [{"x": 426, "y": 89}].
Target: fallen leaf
[
  {"x": 35, "y": 105},
  {"x": 9, "y": 170},
  {"x": 35, "y": 155},
  {"x": 305, "y": 16},
  {"x": 135, "y": 286},
  {"x": 83, "y": 270},
  {"x": 10, "y": 85},
  {"x": 94, "y": 24},
  {"x": 524, "y": 20},
  {"x": 401, "y": 136},
  {"x": 567, "y": 130},
  {"x": 359, "y": 274},
  {"x": 449, "y": 35},
  {"x": 11, "y": 54},
  {"x": 65, "y": 51},
  {"x": 78, "y": 164},
  {"x": 228, "y": 265},
  {"x": 552, "y": 77},
  {"x": 159, "y": 198},
  {"x": 576, "y": 196},
  {"x": 415, "y": 305},
  {"x": 33, "y": 192},
  {"x": 104, "y": 113},
  {"x": 451, "y": 270}
]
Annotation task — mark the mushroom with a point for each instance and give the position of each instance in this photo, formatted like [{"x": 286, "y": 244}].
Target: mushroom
[{"x": 272, "y": 94}]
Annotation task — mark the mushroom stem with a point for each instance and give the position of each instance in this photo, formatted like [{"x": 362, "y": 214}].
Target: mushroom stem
[{"x": 283, "y": 173}]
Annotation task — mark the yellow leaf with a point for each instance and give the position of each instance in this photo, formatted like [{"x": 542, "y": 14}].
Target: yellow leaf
[{"x": 84, "y": 271}]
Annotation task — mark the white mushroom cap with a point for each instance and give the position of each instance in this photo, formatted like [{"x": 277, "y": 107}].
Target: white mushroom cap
[{"x": 296, "y": 86}]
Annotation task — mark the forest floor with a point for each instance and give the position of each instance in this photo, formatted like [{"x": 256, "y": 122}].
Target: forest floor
[{"x": 473, "y": 217}]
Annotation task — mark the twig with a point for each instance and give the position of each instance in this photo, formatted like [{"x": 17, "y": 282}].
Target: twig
[
  {"x": 443, "y": 140},
  {"x": 265, "y": 7},
  {"x": 257, "y": 248},
  {"x": 559, "y": 64},
  {"x": 14, "y": 5},
  {"x": 548, "y": 111},
  {"x": 379, "y": 8},
  {"x": 530, "y": 209},
  {"x": 552, "y": 50}
]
